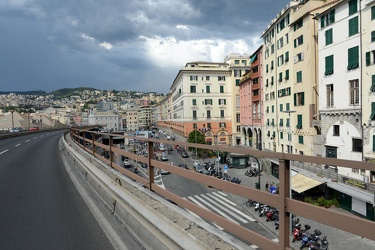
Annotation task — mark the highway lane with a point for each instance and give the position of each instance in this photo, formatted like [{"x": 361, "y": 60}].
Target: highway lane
[{"x": 40, "y": 206}]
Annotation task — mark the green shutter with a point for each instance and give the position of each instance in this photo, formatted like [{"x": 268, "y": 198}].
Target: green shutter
[
  {"x": 221, "y": 89},
  {"x": 373, "y": 36},
  {"x": 281, "y": 108},
  {"x": 353, "y": 26},
  {"x": 267, "y": 68},
  {"x": 287, "y": 56},
  {"x": 287, "y": 107},
  {"x": 287, "y": 74},
  {"x": 373, "y": 13},
  {"x": 329, "y": 37},
  {"x": 194, "y": 101},
  {"x": 287, "y": 122},
  {"x": 332, "y": 16},
  {"x": 373, "y": 143},
  {"x": 280, "y": 76},
  {"x": 303, "y": 98},
  {"x": 373, "y": 83},
  {"x": 352, "y": 7},
  {"x": 322, "y": 22},
  {"x": 295, "y": 99},
  {"x": 329, "y": 65},
  {"x": 281, "y": 135},
  {"x": 372, "y": 116},
  {"x": 300, "y": 139}
]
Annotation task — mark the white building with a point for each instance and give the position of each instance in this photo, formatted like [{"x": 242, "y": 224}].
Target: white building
[{"x": 108, "y": 120}]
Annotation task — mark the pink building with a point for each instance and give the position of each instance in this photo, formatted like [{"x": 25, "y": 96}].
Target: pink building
[{"x": 251, "y": 108}]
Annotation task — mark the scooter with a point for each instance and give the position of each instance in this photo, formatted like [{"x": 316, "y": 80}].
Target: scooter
[
  {"x": 277, "y": 222},
  {"x": 308, "y": 239},
  {"x": 322, "y": 246},
  {"x": 135, "y": 170},
  {"x": 298, "y": 232},
  {"x": 250, "y": 203},
  {"x": 271, "y": 214},
  {"x": 264, "y": 210}
]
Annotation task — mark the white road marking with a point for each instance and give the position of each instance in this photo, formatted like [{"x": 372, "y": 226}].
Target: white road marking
[
  {"x": 3, "y": 151},
  {"x": 225, "y": 203},
  {"x": 18, "y": 145},
  {"x": 27, "y": 141},
  {"x": 35, "y": 138},
  {"x": 226, "y": 200}
]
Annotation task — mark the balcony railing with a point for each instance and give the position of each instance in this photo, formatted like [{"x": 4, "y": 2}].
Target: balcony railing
[{"x": 282, "y": 201}]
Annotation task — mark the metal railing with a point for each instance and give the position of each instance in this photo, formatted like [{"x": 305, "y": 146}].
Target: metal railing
[{"x": 281, "y": 201}]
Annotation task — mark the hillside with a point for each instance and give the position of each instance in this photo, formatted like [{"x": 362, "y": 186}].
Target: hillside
[{"x": 66, "y": 92}]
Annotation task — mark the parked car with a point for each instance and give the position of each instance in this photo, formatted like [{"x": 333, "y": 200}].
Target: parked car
[
  {"x": 14, "y": 130},
  {"x": 127, "y": 163},
  {"x": 196, "y": 162},
  {"x": 182, "y": 165},
  {"x": 184, "y": 154},
  {"x": 162, "y": 171},
  {"x": 164, "y": 158},
  {"x": 34, "y": 129},
  {"x": 200, "y": 169}
]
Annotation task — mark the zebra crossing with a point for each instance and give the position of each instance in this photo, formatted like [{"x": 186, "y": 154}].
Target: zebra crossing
[{"x": 219, "y": 202}]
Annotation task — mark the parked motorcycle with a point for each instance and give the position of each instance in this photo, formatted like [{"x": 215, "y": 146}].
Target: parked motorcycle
[
  {"x": 308, "y": 239},
  {"x": 298, "y": 232},
  {"x": 236, "y": 180},
  {"x": 250, "y": 203},
  {"x": 264, "y": 210},
  {"x": 271, "y": 215},
  {"x": 322, "y": 246},
  {"x": 277, "y": 222}
]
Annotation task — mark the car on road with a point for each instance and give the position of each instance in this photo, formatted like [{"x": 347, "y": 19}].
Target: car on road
[
  {"x": 163, "y": 172},
  {"x": 164, "y": 158},
  {"x": 200, "y": 169},
  {"x": 127, "y": 163},
  {"x": 183, "y": 165},
  {"x": 184, "y": 154}
]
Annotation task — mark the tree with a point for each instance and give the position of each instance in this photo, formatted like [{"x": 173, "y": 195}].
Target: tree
[{"x": 197, "y": 137}]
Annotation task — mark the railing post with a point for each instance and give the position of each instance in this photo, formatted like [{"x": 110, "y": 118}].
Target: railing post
[
  {"x": 284, "y": 193},
  {"x": 150, "y": 150},
  {"x": 93, "y": 143},
  {"x": 110, "y": 150}
]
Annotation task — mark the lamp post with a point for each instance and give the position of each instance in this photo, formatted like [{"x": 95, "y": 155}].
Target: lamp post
[
  {"x": 195, "y": 132},
  {"x": 290, "y": 131},
  {"x": 28, "y": 121},
  {"x": 259, "y": 169},
  {"x": 41, "y": 122},
  {"x": 12, "y": 111}
]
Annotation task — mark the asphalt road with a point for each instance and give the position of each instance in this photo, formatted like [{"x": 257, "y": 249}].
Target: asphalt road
[{"x": 40, "y": 206}]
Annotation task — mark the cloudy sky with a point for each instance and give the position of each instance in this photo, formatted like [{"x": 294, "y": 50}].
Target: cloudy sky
[{"x": 121, "y": 44}]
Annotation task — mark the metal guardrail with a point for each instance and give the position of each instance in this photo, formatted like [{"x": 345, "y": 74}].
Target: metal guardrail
[{"x": 281, "y": 201}]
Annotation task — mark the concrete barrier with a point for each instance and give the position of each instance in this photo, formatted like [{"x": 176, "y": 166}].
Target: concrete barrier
[{"x": 156, "y": 223}]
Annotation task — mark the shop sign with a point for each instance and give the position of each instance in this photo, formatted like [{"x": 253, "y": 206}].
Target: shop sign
[{"x": 355, "y": 183}]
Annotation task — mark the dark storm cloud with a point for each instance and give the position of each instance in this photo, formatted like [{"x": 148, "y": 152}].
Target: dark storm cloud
[{"x": 51, "y": 44}]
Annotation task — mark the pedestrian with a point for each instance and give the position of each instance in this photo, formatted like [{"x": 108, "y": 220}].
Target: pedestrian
[{"x": 267, "y": 185}]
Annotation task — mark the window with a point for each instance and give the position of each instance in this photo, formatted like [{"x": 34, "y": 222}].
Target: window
[
  {"x": 207, "y": 78},
  {"x": 373, "y": 83},
  {"x": 238, "y": 98},
  {"x": 352, "y": 7},
  {"x": 272, "y": 49},
  {"x": 194, "y": 101},
  {"x": 237, "y": 82},
  {"x": 373, "y": 13},
  {"x": 353, "y": 26},
  {"x": 208, "y": 125},
  {"x": 273, "y": 122},
  {"x": 287, "y": 56},
  {"x": 281, "y": 122},
  {"x": 280, "y": 60},
  {"x": 267, "y": 109},
  {"x": 208, "y": 89},
  {"x": 336, "y": 130},
  {"x": 271, "y": 80},
  {"x": 354, "y": 92},
  {"x": 327, "y": 19},
  {"x": 194, "y": 114},
  {"x": 193, "y": 78},
  {"x": 287, "y": 107},
  {"x": 208, "y": 113},
  {"x": 237, "y": 73},
  {"x": 193, "y": 89},
  {"x": 267, "y": 68},
  {"x": 357, "y": 145},
  {"x": 273, "y": 109},
  {"x": 298, "y": 24},
  {"x": 299, "y": 99},
  {"x": 238, "y": 118},
  {"x": 299, "y": 124},
  {"x": 195, "y": 125},
  {"x": 329, "y": 37},
  {"x": 280, "y": 43},
  {"x": 372, "y": 116},
  {"x": 329, "y": 65},
  {"x": 236, "y": 62},
  {"x": 298, "y": 57},
  {"x": 221, "y": 89},
  {"x": 207, "y": 101},
  {"x": 221, "y": 78},
  {"x": 222, "y": 101},
  {"x": 300, "y": 139},
  {"x": 281, "y": 135},
  {"x": 266, "y": 83},
  {"x": 287, "y": 122},
  {"x": 370, "y": 58},
  {"x": 299, "y": 76},
  {"x": 287, "y": 74},
  {"x": 221, "y": 113},
  {"x": 281, "y": 107},
  {"x": 222, "y": 125},
  {"x": 329, "y": 89},
  {"x": 373, "y": 36},
  {"x": 353, "y": 58},
  {"x": 298, "y": 41},
  {"x": 271, "y": 65},
  {"x": 280, "y": 76}
]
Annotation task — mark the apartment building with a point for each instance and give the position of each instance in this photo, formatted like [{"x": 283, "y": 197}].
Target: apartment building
[
  {"x": 368, "y": 80},
  {"x": 238, "y": 65},
  {"x": 251, "y": 102},
  {"x": 132, "y": 119},
  {"x": 108, "y": 120},
  {"x": 144, "y": 117},
  {"x": 290, "y": 80},
  {"x": 201, "y": 99},
  {"x": 346, "y": 72}
]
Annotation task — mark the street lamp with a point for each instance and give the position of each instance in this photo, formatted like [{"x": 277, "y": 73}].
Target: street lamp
[
  {"x": 41, "y": 122},
  {"x": 28, "y": 121},
  {"x": 195, "y": 132},
  {"x": 12, "y": 111},
  {"x": 290, "y": 131}
]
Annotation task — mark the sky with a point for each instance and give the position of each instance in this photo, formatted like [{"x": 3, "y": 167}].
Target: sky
[{"x": 133, "y": 45}]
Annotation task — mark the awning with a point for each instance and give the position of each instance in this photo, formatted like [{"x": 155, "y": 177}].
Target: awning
[
  {"x": 253, "y": 58},
  {"x": 301, "y": 183}
]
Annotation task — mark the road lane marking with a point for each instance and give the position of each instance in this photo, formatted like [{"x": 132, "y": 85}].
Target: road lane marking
[
  {"x": 3, "y": 151},
  {"x": 27, "y": 141},
  {"x": 35, "y": 138},
  {"x": 18, "y": 145}
]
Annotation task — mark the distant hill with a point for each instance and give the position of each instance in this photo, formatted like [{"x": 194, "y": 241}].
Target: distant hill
[
  {"x": 31, "y": 92},
  {"x": 66, "y": 92}
]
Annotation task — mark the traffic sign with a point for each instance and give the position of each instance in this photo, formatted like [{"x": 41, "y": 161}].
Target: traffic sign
[{"x": 226, "y": 169}]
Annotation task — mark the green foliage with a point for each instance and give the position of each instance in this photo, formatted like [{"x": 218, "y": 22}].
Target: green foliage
[
  {"x": 322, "y": 202},
  {"x": 67, "y": 92},
  {"x": 198, "y": 138}
]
